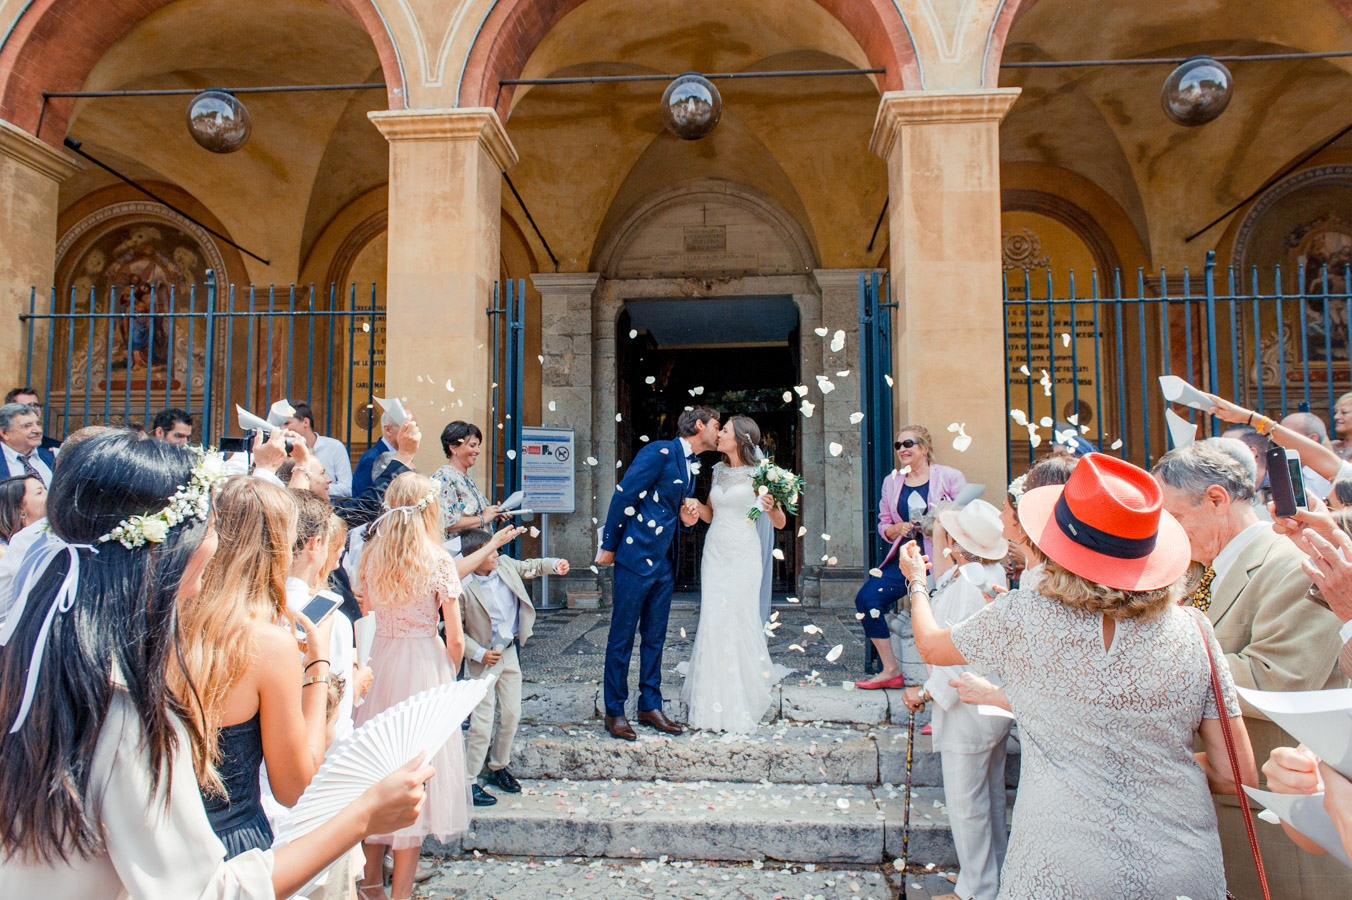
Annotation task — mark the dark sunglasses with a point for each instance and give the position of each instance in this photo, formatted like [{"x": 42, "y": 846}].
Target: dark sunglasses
[{"x": 908, "y": 444}]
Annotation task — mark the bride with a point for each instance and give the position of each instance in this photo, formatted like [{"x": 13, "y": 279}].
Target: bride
[{"x": 729, "y": 676}]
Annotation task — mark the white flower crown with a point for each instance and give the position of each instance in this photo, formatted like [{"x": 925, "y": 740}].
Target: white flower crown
[
  {"x": 1016, "y": 487},
  {"x": 191, "y": 501},
  {"x": 426, "y": 501}
]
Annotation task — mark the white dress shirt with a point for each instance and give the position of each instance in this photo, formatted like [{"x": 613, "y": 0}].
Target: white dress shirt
[
  {"x": 16, "y": 465},
  {"x": 337, "y": 463},
  {"x": 685, "y": 457},
  {"x": 1230, "y": 552},
  {"x": 957, "y": 726},
  {"x": 504, "y": 610}
]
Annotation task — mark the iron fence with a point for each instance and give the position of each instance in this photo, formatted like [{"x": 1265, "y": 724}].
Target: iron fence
[
  {"x": 123, "y": 354},
  {"x": 1086, "y": 362},
  {"x": 875, "y": 366}
]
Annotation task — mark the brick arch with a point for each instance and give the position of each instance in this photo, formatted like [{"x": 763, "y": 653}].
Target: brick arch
[
  {"x": 1011, "y": 10},
  {"x": 514, "y": 28},
  {"x": 55, "y": 43}
]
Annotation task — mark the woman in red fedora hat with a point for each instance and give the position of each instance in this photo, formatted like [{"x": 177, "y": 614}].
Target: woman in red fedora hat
[{"x": 1109, "y": 679}]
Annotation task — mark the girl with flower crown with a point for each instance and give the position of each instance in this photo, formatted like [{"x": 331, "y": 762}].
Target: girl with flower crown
[
  {"x": 96, "y": 775},
  {"x": 406, "y": 576}
]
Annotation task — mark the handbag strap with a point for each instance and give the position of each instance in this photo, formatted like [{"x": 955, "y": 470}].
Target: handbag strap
[{"x": 1224, "y": 714}]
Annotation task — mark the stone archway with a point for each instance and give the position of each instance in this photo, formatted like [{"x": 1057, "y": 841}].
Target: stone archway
[
  {"x": 512, "y": 29},
  {"x": 54, "y": 44}
]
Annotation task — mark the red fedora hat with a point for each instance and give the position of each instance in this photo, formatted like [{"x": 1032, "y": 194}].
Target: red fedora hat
[{"x": 1108, "y": 524}]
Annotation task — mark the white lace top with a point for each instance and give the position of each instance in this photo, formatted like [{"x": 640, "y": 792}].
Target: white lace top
[{"x": 1111, "y": 801}]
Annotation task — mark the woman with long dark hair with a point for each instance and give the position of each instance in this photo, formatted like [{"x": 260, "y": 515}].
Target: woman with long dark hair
[
  {"x": 23, "y": 500},
  {"x": 96, "y": 775}
]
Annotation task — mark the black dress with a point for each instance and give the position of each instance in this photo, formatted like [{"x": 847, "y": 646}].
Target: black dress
[{"x": 238, "y": 818}]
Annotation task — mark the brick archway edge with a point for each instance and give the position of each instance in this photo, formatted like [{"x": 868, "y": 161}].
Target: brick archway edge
[
  {"x": 514, "y": 28},
  {"x": 55, "y": 44}
]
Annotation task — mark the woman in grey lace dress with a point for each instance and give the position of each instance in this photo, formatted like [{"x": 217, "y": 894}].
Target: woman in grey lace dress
[{"x": 1109, "y": 679}]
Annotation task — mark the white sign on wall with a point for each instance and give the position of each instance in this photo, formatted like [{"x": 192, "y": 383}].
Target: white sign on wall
[{"x": 547, "y": 469}]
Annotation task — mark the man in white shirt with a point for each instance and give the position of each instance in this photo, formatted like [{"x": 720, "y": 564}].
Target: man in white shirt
[
  {"x": 21, "y": 443},
  {"x": 1254, "y": 592},
  {"x": 327, "y": 450},
  {"x": 498, "y": 618}
]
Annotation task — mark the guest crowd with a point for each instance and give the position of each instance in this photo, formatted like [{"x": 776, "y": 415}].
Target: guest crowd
[{"x": 166, "y": 700}]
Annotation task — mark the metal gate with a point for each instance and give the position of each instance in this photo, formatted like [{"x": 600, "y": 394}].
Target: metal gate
[
  {"x": 123, "y": 355},
  {"x": 1086, "y": 359},
  {"x": 507, "y": 330},
  {"x": 875, "y": 364}
]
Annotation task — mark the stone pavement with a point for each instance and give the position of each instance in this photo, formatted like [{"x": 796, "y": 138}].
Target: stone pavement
[{"x": 526, "y": 878}]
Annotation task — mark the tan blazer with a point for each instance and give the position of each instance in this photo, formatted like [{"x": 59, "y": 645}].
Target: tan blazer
[
  {"x": 478, "y": 621},
  {"x": 1345, "y": 659},
  {"x": 1273, "y": 637}
]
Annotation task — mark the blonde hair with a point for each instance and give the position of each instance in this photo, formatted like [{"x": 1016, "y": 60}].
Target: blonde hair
[
  {"x": 337, "y": 541},
  {"x": 1345, "y": 398},
  {"x": 400, "y": 558},
  {"x": 245, "y": 580},
  {"x": 1077, "y": 592},
  {"x": 922, "y": 437}
]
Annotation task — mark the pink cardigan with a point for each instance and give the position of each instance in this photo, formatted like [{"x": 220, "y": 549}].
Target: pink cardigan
[{"x": 945, "y": 482}]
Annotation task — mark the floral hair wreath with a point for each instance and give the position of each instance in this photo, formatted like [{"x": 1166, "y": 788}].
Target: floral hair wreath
[
  {"x": 191, "y": 501},
  {"x": 1017, "y": 487},
  {"x": 406, "y": 511}
]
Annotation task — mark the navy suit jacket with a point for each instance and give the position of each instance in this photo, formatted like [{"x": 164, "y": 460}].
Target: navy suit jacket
[
  {"x": 361, "y": 476},
  {"x": 47, "y": 457},
  {"x": 654, "y": 487}
]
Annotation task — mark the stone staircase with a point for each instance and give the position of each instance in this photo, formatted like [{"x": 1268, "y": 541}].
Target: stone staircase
[{"x": 821, "y": 782}]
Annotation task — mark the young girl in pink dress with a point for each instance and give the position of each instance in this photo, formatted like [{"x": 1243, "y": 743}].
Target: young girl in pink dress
[{"x": 405, "y": 577}]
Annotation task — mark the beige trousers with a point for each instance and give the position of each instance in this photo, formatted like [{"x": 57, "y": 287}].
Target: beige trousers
[{"x": 505, "y": 699}]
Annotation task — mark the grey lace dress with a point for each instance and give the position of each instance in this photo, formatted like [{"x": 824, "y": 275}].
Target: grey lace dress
[{"x": 1111, "y": 802}]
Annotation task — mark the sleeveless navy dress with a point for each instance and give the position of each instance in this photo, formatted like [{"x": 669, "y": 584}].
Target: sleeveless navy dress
[{"x": 238, "y": 818}]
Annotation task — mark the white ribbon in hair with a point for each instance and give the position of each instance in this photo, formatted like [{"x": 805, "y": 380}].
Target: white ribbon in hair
[
  {"x": 406, "y": 511},
  {"x": 64, "y": 600}
]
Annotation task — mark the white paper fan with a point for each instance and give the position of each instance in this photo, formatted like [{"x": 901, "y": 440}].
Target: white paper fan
[{"x": 422, "y": 723}]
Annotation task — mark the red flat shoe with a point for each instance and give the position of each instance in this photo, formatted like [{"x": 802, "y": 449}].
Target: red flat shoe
[
  {"x": 928, "y": 729},
  {"x": 898, "y": 682}
]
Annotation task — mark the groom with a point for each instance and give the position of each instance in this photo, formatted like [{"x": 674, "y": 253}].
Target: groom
[{"x": 643, "y": 517}]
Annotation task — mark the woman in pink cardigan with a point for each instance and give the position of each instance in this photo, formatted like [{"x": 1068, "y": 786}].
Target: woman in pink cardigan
[{"x": 908, "y": 494}]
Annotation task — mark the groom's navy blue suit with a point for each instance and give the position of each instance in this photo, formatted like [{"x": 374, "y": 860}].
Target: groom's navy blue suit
[{"x": 655, "y": 487}]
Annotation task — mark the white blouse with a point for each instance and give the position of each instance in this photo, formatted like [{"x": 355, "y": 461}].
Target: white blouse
[{"x": 151, "y": 852}]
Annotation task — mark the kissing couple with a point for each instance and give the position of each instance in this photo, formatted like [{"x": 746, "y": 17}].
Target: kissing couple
[{"x": 729, "y": 676}]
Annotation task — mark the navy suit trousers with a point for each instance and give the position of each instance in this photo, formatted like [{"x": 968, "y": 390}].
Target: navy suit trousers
[{"x": 642, "y": 603}]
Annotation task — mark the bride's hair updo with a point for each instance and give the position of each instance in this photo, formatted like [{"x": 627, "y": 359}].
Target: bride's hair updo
[{"x": 748, "y": 436}]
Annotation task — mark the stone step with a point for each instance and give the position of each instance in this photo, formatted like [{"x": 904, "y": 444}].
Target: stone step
[
  {"x": 849, "y": 824},
  {"x": 782, "y": 752},
  {"x": 569, "y": 702}
]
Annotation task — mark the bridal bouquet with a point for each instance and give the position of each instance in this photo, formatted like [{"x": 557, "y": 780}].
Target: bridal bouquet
[{"x": 781, "y": 484}]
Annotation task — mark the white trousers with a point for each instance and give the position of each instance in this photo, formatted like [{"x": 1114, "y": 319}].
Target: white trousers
[
  {"x": 974, "y": 790},
  {"x": 505, "y": 700}
]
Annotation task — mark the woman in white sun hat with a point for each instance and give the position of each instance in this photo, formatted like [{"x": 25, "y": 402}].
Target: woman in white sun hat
[{"x": 968, "y": 545}]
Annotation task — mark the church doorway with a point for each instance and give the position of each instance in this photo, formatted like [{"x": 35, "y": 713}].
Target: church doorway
[{"x": 735, "y": 355}]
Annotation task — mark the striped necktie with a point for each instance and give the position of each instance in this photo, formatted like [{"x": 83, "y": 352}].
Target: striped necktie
[
  {"x": 1201, "y": 598},
  {"x": 28, "y": 468}
]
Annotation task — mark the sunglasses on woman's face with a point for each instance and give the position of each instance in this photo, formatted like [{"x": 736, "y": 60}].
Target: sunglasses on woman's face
[{"x": 908, "y": 444}]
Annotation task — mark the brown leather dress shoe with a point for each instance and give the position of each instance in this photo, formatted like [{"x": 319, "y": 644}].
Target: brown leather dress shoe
[
  {"x": 655, "y": 718},
  {"x": 619, "y": 727}
]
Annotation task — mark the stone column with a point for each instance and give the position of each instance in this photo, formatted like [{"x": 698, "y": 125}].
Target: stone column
[
  {"x": 843, "y": 473},
  {"x": 446, "y": 170},
  {"x": 943, "y": 166},
  {"x": 566, "y": 402},
  {"x": 31, "y": 172}
]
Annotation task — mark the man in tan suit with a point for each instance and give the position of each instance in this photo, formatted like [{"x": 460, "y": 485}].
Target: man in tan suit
[
  {"x": 1253, "y": 591},
  {"x": 499, "y": 618}
]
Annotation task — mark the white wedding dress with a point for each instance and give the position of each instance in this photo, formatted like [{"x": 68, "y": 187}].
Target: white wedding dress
[{"x": 729, "y": 677}]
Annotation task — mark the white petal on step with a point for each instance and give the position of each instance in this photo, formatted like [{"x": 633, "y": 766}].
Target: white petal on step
[
  {"x": 820, "y": 332},
  {"x": 834, "y": 653},
  {"x": 811, "y": 629},
  {"x": 843, "y": 802},
  {"x": 838, "y": 342},
  {"x": 856, "y": 418},
  {"x": 835, "y": 448}
]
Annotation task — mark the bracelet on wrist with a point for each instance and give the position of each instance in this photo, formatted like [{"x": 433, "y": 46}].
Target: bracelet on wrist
[
  {"x": 315, "y": 663},
  {"x": 315, "y": 679}
]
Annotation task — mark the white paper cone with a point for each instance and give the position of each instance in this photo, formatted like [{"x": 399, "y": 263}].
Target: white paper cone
[
  {"x": 364, "y": 630},
  {"x": 249, "y": 422},
  {"x": 514, "y": 500},
  {"x": 280, "y": 412},
  {"x": 1181, "y": 431},
  {"x": 392, "y": 406},
  {"x": 1176, "y": 390}
]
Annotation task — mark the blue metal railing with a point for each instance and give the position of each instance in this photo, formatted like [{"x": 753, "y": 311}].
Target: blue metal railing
[
  {"x": 875, "y": 367},
  {"x": 122, "y": 355},
  {"x": 1280, "y": 343},
  {"x": 507, "y": 328}
]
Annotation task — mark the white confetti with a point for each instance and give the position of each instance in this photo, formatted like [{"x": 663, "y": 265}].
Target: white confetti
[
  {"x": 874, "y": 613},
  {"x": 963, "y": 440},
  {"x": 629, "y": 510},
  {"x": 876, "y": 573},
  {"x": 843, "y": 802},
  {"x": 835, "y": 448},
  {"x": 619, "y": 417},
  {"x": 777, "y": 553},
  {"x": 534, "y": 532},
  {"x": 834, "y": 653},
  {"x": 802, "y": 530},
  {"x": 824, "y": 386},
  {"x": 843, "y": 373},
  {"x": 591, "y": 461},
  {"x": 847, "y": 685},
  {"x": 838, "y": 342},
  {"x": 553, "y": 407},
  {"x": 820, "y": 332},
  {"x": 1024, "y": 370},
  {"x": 697, "y": 390},
  {"x": 643, "y": 438},
  {"x": 619, "y": 463},
  {"x": 1065, "y": 339},
  {"x": 807, "y": 409},
  {"x": 1018, "y": 416},
  {"x": 682, "y": 632},
  {"x": 1045, "y": 421},
  {"x": 1074, "y": 420},
  {"x": 788, "y": 396},
  {"x": 651, "y": 379},
  {"x": 1117, "y": 445},
  {"x": 511, "y": 454},
  {"x": 826, "y": 537},
  {"x": 811, "y": 629},
  {"x": 541, "y": 358},
  {"x": 800, "y": 389},
  {"x": 856, "y": 418},
  {"x": 365, "y": 326},
  {"x": 888, "y": 379},
  {"x": 633, "y": 333},
  {"x": 595, "y": 571}
]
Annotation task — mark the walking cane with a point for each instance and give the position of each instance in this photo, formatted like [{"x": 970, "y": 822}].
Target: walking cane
[{"x": 906, "y": 812}]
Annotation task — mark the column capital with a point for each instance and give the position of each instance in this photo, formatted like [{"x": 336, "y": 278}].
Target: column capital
[
  {"x": 901, "y": 108},
  {"x": 565, "y": 282},
  {"x": 475, "y": 123},
  {"x": 842, "y": 278},
  {"x": 36, "y": 154}
]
